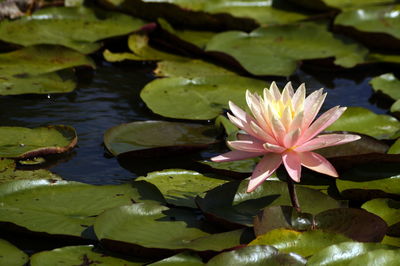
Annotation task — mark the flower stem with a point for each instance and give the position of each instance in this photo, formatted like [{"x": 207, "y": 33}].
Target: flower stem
[{"x": 293, "y": 195}]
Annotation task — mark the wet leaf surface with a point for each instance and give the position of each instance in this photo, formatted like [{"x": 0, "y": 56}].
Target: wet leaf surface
[{"x": 10, "y": 255}]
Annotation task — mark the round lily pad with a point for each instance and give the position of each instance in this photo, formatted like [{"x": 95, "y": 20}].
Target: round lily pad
[
  {"x": 387, "y": 209},
  {"x": 9, "y": 173},
  {"x": 152, "y": 137},
  {"x": 21, "y": 142},
  {"x": 256, "y": 256},
  {"x": 74, "y": 27},
  {"x": 389, "y": 85},
  {"x": 181, "y": 259},
  {"x": 237, "y": 207},
  {"x": 78, "y": 255},
  {"x": 395, "y": 148},
  {"x": 199, "y": 98},
  {"x": 303, "y": 243},
  {"x": 10, "y": 255},
  {"x": 64, "y": 208},
  {"x": 344, "y": 253},
  {"x": 179, "y": 187},
  {"x": 364, "y": 121},
  {"x": 377, "y": 257},
  {"x": 287, "y": 45},
  {"x": 153, "y": 226}
]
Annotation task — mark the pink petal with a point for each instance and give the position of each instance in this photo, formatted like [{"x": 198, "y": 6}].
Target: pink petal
[
  {"x": 246, "y": 145},
  {"x": 273, "y": 148},
  {"x": 275, "y": 91},
  {"x": 240, "y": 124},
  {"x": 262, "y": 134},
  {"x": 238, "y": 112},
  {"x": 297, "y": 121},
  {"x": 292, "y": 163},
  {"x": 299, "y": 97},
  {"x": 235, "y": 156},
  {"x": 317, "y": 163},
  {"x": 286, "y": 118},
  {"x": 291, "y": 138},
  {"x": 327, "y": 140},
  {"x": 287, "y": 93},
  {"x": 312, "y": 105},
  {"x": 264, "y": 169},
  {"x": 324, "y": 121}
]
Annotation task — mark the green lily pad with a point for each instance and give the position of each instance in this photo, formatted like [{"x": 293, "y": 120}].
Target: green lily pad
[
  {"x": 142, "y": 51},
  {"x": 10, "y": 255},
  {"x": 189, "y": 69},
  {"x": 305, "y": 243},
  {"x": 392, "y": 241},
  {"x": 9, "y": 173},
  {"x": 179, "y": 187},
  {"x": 395, "y": 148},
  {"x": 387, "y": 209},
  {"x": 181, "y": 259},
  {"x": 356, "y": 224},
  {"x": 287, "y": 46},
  {"x": 242, "y": 166},
  {"x": 377, "y": 257},
  {"x": 364, "y": 121},
  {"x": 373, "y": 180},
  {"x": 152, "y": 137},
  {"x": 374, "y": 19},
  {"x": 389, "y": 85},
  {"x": 153, "y": 226},
  {"x": 344, "y": 253},
  {"x": 64, "y": 208},
  {"x": 74, "y": 27},
  {"x": 256, "y": 256},
  {"x": 21, "y": 142},
  {"x": 199, "y": 98},
  {"x": 78, "y": 255},
  {"x": 237, "y": 207}
]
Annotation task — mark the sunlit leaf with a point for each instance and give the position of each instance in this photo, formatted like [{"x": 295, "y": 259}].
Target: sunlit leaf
[
  {"x": 10, "y": 255},
  {"x": 387, "y": 209},
  {"x": 181, "y": 259}
]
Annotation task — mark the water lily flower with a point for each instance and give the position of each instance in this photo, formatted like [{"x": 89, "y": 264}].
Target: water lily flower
[{"x": 283, "y": 130}]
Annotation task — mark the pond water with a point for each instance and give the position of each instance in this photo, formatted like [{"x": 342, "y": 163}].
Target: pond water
[{"x": 109, "y": 96}]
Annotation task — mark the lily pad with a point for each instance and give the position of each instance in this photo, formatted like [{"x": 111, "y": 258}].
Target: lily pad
[
  {"x": 237, "y": 207},
  {"x": 64, "y": 208},
  {"x": 373, "y": 180},
  {"x": 344, "y": 253},
  {"x": 305, "y": 243},
  {"x": 74, "y": 27},
  {"x": 364, "y": 121},
  {"x": 10, "y": 255},
  {"x": 153, "y": 226},
  {"x": 256, "y": 256},
  {"x": 376, "y": 19},
  {"x": 199, "y": 98},
  {"x": 242, "y": 166},
  {"x": 142, "y": 51},
  {"x": 9, "y": 173},
  {"x": 287, "y": 46},
  {"x": 21, "y": 142},
  {"x": 395, "y": 148},
  {"x": 356, "y": 224},
  {"x": 152, "y": 137},
  {"x": 78, "y": 255},
  {"x": 378, "y": 257},
  {"x": 389, "y": 85},
  {"x": 387, "y": 209},
  {"x": 179, "y": 187},
  {"x": 181, "y": 259}
]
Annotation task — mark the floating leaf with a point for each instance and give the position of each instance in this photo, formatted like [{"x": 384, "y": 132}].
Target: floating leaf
[
  {"x": 395, "y": 148},
  {"x": 74, "y": 27},
  {"x": 179, "y": 187},
  {"x": 387, "y": 209},
  {"x": 197, "y": 98},
  {"x": 237, "y": 207},
  {"x": 370, "y": 181},
  {"x": 9, "y": 173},
  {"x": 389, "y": 85},
  {"x": 10, "y": 255},
  {"x": 181, "y": 259},
  {"x": 377, "y": 257},
  {"x": 304, "y": 244},
  {"x": 64, "y": 208},
  {"x": 356, "y": 224},
  {"x": 78, "y": 255},
  {"x": 150, "y": 137},
  {"x": 256, "y": 255},
  {"x": 138, "y": 44},
  {"x": 150, "y": 225},
  {"x": 344, "y": 253},
  {"x": 364, "y": 121},
  {"x": 376, "y": 19},
  {"x": 242, "y": 166},
  {"x": 287, "y": 45},
  {"x": 21, "y": 142}
]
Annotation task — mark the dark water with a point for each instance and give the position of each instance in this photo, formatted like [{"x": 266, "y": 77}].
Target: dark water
[{"x": 110, "y": 96}]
